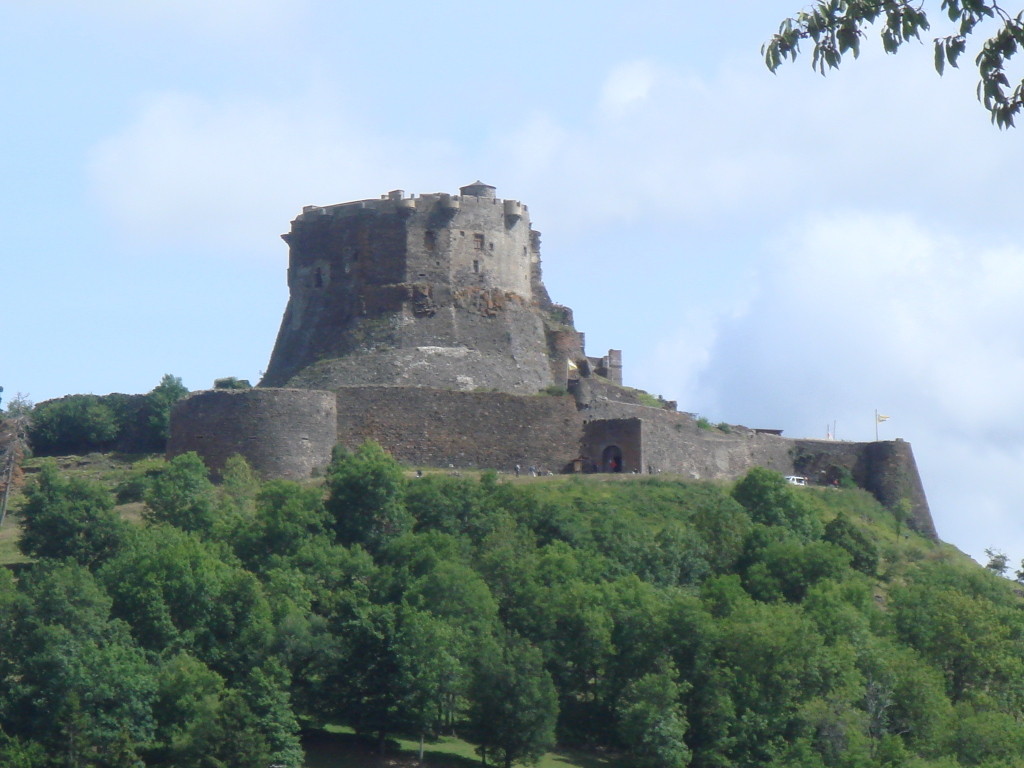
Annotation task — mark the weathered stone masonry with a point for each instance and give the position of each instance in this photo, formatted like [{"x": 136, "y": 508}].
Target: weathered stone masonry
[{"x": 423, "y": 323}]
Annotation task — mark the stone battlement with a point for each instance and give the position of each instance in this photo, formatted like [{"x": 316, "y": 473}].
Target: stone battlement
[{"x": 396, "y": 202}]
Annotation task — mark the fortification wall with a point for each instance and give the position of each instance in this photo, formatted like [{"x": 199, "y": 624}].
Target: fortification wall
[
  {"x": 673, "y": 443},
  {"x": 283, "y": 433},
  {"x": 887, "y": 469},
  {"x": 439, "y": 428}
]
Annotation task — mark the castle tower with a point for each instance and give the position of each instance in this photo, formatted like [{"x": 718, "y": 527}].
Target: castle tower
[{"x": 439, "y": 291}]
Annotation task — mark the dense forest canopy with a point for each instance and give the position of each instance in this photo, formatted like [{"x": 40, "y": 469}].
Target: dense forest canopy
[{"x": 665, "y": 623}]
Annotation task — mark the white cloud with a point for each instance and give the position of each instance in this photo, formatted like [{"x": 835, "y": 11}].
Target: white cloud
[
  {"x": 627, "y": 85},
  {"x": 232, "y": 174},
  {"x": 858, "y": 311}
]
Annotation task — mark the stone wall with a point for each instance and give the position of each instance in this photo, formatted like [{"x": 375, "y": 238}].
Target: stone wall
[
  {"x": 439, "y": 428},
  {"x": 660, "y": 441},
  {"x": 290, "y": 433},
  {"x": 887, "y": 469},
  {"x": 613, "y": 445},
  {"x": 283, "y": 433}
]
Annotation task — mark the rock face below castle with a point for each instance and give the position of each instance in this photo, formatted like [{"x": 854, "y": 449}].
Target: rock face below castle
[
  {"x": 437, "y": 291},
  {"x": 422, "y": 323}
]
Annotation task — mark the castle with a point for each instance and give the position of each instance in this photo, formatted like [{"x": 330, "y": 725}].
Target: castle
[{"x": 423, "y": 323}]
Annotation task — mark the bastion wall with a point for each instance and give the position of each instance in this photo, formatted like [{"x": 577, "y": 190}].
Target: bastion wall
[
  {"x": 290, "y": 433},
  {"x": 283, "y": 433}
]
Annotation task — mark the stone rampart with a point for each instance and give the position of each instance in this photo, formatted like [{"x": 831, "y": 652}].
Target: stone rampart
[
  {"x": 887, "y": 469},
  {"x": 438, "y": 428},
  {"x": 284, "y": 433},
  {"x": 660, "y": 441}
]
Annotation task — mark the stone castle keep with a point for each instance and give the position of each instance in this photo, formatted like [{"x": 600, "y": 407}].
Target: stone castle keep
[{"x": 423, "y": 323}]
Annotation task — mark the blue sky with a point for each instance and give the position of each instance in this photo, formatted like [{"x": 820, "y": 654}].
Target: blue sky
[{"x": 781, "y": 251}]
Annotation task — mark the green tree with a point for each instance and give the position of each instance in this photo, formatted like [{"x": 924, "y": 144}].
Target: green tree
[
  {"x": 22, "y": 753},
  {"x": 159, "y": 402},
  {"x": 182, "y": 495},
  {"x": 513, "y": 704},
  {"x": 72, "y": 424},
  {"x": 366, "y": 491},
  {"x": 287, "y": 517},
  {"x": 723, "y": 524},
  {"x": 787, "y": 569},
  {"x": 455, "y": 592},
  {"x": 757, "y": 670},
  {"x": 998, "y": 562},
  {"x": 770, "y": 500},
  {"x": 836, "y": 29},
  {"x": 239, "y": 487},
  {"x": 72, "y": 518},
  {"x": 652, "y": 723},
  {"x": 77, "y": 683},
  {"x": 180, "y": 593},
  {"x": 987, "y": 738},
  {"x": 902, "y": 695},
  {"x": 966, "y": 636},
  {"x": 393, "y": 670},
  {"x": 863, "y": 552}
]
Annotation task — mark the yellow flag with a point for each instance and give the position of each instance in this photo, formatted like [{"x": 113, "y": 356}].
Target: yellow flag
[{"x": 881, "y": 418}]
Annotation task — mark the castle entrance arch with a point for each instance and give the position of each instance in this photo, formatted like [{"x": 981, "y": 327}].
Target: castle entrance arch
[{"x": 611, "y": 459}]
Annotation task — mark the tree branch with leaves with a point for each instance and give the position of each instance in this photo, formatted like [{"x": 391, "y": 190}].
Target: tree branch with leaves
[{"x": 836, "y": 28}]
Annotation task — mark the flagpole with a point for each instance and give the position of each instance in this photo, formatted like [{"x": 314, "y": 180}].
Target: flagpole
[{"x": 876, "y": 425}]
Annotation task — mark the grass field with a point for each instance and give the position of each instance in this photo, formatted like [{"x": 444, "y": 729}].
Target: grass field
[{"x": 340, "y": 748}]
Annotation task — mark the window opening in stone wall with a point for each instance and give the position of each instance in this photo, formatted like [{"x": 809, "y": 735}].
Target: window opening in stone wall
[
  {"x": 478, "y": 242},
  {"x": 318, "y": 278},
  {"x": 476, "y": 266},
  {"x": 491, "y": 246},
  {"x": 611, "y": 459},
  {"x": 430, "y": 239}
]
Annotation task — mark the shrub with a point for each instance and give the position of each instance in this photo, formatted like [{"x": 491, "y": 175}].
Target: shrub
[
  {"x": 72, "y": 424},
  {"x": 555, "y": 390},
  {"x": 231, "y": 382}
]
